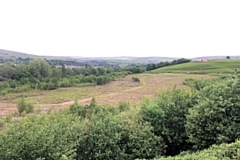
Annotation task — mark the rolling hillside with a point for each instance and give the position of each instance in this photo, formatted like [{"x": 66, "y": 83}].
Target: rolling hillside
[
  {"x": 7, "y": 55},
  {"x": 13, "y": 55},
  {"x": 212, "y": 66}
]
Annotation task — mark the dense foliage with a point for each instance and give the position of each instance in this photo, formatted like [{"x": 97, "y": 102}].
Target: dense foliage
[
  {"x": 216, "y": 152},
  {"x": 167, "y": 114},
  {"x": 216, "y": 117},
  {"x": 91, "y": 133},
  {"x": 177, "y": 122},
  {"x": 198, "y": 118},
  {"x": 39, "y": 74}
]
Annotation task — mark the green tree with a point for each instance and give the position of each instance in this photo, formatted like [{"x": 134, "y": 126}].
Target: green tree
[
  {"x": 56, "y": 72},
  {"x": 22, "y": 72},
  {"x": 93, "y": 71},
  {"x": 7, "y": 70},
  {"x": 39, "y": 68},
  {"x": 215, "y": 119},
  {"x": 63, "y": 70},
  {"x": 101, "y": 70},
  {"x": 167, "y": 115}
]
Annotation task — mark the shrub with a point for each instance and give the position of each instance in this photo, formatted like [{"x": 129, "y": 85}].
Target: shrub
[
  {"x": 111, "y": 136},
  {"x": 135, "y": 79},
  {"x": 49, "y": 137},
  {"x": 123, "y": 106},
  {"x": 8, "y": 118},
  {"x": 167, "y": 115},
  {"x": 215, "y": 119},
  {"x": 24, "y": 105},
  {"x": 84, "y": 111},
  {"x": 3, "y": 93},
  {"x": 216, "y": 152}
]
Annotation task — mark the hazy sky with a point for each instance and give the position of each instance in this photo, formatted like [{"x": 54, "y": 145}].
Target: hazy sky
[{"x": 171, "y": 28}]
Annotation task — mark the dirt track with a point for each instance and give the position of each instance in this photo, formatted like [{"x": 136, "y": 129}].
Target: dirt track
[
  {"x": 6, "y": 108},
  {"x": 112, "y": 93}
]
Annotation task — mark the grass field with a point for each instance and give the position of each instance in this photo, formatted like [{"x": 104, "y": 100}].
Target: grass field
[
  {"x": 213, "y": 66},
  {"x": 111, "y": 94}
]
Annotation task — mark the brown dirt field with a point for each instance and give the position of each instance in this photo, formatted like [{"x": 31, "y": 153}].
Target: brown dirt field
[{"x": 121, "y": 90}]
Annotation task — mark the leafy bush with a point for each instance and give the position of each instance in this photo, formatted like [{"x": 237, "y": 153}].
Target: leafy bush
[
  {"x": 135, "y": 79},
  {"x": 84, "y": 111},
  {"x": 103, "y": 134},
  {"x": 167, "y": 115},
  {"x": 215, "y": 119},
  {"x": 123, "y": 106},
  {"x": 223, "y": 151},
  {"x": 25, "y": 106},
  {"x": 43, "y": 137},
  {"x": 49, "y": 86},
  {"x": 111, "y": 136},
  {"x": 3, "y": 93}
]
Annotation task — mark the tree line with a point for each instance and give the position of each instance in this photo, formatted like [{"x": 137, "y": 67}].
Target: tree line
[
  {"x": 153, "y": 66},
  {"x": 40, "y": 74}
]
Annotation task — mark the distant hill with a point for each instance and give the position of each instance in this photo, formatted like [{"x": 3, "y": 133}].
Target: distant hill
[
  {"x": 123, "y": 61},
  {"x": 7, "y": 55},
  {"x": 212, "y": 66},
  {"x": 215, "y": 57}
]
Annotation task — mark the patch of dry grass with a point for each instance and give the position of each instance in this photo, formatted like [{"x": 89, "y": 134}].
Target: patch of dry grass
[{"x": 121, "y": 90}]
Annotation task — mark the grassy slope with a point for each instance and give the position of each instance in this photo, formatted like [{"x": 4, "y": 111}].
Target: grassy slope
[
  {"x": 224, "y": 151},
  {"x": 6, "y": 54},
  {"x": 13, "y": 55},
  {"x": 213, "y": 66}
]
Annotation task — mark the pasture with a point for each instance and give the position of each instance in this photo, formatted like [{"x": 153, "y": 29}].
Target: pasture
[{"x": 212, "y": 66}]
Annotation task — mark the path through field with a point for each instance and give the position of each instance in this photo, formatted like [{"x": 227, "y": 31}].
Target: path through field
[{"x": 121, "y": 90}]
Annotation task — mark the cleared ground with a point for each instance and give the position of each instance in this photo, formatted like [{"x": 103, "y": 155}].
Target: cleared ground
[{"x": 111, "y": 94}]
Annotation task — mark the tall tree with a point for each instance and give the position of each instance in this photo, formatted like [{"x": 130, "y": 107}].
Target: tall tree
[
  {"x": 63, "y": 70},
  {"x": 39, "y": 68}
]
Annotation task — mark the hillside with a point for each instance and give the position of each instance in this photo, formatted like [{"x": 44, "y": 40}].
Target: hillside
[
  {"x": 212, "y": 66},
  {"x": 14, "y": 56},
  {"x": 214, "y": 57},
  {"x": 7, "y": 55},
  {"x": 134, "y": 60}
]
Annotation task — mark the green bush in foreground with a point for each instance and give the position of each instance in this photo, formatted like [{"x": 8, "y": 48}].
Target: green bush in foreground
[
  {"x": 167, "y": 114},
  {"x": 216, "y": 152},
  {"x": 40, "y": 137},
  {"x": 112, "y": 136},
  {"x": 102, "y": 133},
  {"x": 215, "y": 119}
]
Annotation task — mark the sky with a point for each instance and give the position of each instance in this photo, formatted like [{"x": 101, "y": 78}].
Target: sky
[{"x": 110, "y": 28}]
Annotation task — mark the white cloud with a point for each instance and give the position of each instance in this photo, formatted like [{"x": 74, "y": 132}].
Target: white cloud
[{"x": 171, "y": 28}]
